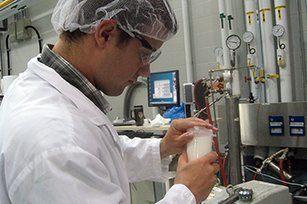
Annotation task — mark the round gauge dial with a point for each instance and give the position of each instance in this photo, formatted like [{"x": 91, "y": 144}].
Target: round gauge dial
[
  {"x": 278, "y": 30},
  {"x": 248, "y": 37},
  {"x": 218, "y": 51},
  {"x": 233, "y": 42}
]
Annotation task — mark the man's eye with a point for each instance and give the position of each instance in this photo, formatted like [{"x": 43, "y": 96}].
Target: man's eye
[{"x": 146, "y": 57}]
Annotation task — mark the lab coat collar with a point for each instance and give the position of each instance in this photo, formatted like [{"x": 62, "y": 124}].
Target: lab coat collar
[{"x": 90, "y": 110}]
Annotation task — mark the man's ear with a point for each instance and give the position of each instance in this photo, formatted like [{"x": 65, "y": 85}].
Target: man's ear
[{"x": 105, "y": 32}]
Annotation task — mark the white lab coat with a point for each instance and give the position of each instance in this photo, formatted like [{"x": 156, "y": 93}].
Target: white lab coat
[{"x": 56, "y": 146}]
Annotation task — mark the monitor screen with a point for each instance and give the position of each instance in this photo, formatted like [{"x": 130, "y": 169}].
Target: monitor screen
[{"x": 163, "y": 89}]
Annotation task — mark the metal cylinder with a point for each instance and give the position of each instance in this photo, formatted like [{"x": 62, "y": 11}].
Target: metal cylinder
[
  {"x": 234, "y": 139},
  {"x": 269, "y": 51},
  {"x": 274, "y": 168},
  {"x": 284, "y": 70}
]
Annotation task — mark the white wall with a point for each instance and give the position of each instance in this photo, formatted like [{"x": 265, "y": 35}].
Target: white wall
[
  {"x": 21, "y": 53},
  {"x": 205, "y": 36}
]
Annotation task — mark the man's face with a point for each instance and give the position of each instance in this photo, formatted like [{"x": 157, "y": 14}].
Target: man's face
[{"x": 123, "y": 65}]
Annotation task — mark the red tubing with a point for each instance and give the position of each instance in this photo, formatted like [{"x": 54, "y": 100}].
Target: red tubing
[
  {"x": 281, "y": 169},
  {"x": 217, "y": 147},
  {"x": 255, "y": 176}
]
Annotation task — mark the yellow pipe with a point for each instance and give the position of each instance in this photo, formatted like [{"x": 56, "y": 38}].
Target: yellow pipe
[
  {"x": 261, "y": 74},
  {"x": 254, "y": 75},
  {"x": 4, "y": 3}
]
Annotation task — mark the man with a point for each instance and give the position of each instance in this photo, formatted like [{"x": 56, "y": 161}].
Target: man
[{"x": 56, "y": 143}]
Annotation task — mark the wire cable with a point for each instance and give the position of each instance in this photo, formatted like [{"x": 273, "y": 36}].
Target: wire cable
[
  {"x": 8, "y": 55},
  {"x": 255, "y": 171},
  {"x": 38, "y": 36}
]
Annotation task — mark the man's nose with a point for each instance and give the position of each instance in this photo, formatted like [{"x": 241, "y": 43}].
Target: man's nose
[{"x": 144, "y": 71}]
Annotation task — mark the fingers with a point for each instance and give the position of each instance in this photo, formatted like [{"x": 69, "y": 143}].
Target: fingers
[
  {"x": 210, "y": 157},
  {"x": 184, "y": 124},
  {"x": 216, "y": 167},
  {"x": 185, "y": 138},
  {"x": 183, "y": 159}
]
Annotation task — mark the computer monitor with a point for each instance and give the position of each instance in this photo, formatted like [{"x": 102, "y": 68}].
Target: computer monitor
[{"x": 163, "y": 89}]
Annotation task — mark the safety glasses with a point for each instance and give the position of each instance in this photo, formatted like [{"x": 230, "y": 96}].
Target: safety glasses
[{"x": 148, "y": 53}]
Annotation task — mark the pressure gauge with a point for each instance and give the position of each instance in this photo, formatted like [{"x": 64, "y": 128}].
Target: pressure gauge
[
  {"x": 233, "y": 42},
  {"x": 248, "y": 37},
  {"x": 278, "y": 30},
  {"x": 218, "y": 51}
]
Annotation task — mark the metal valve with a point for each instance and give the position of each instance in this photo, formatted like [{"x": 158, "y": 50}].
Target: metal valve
[{"x": 246, "y": 194}]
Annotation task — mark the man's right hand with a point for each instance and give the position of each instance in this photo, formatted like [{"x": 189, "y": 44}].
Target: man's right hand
[{"x": 198, "y": 175}]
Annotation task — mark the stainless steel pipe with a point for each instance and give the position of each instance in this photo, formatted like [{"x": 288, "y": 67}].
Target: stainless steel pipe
[{"x": 234, "y": 139}]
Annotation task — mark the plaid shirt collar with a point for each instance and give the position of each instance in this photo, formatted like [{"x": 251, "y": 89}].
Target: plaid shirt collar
[{"x": 74, "y": 77}]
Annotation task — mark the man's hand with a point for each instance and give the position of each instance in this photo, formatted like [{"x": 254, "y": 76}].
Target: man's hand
[
  {"x": 198, "y": 175},
  {"x": 176, "y": 137}
]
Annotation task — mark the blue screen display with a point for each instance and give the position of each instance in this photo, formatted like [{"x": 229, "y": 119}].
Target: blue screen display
[{"x": 163, "y": 89}]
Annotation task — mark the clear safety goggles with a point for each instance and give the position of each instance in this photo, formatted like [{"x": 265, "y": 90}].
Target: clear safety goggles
[{"x": 147, "y": 52}]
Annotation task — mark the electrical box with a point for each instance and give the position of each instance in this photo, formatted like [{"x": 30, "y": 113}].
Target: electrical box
[
  {"x": 12, "y": 32},
  {"x": 21, "y": 32}
]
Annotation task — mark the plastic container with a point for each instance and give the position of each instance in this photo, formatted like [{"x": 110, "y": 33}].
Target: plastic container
[{"x": 201, "y": 143}]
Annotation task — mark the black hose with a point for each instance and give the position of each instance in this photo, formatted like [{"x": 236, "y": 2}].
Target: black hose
[
  {"x": 38, "y": 36},
  {"x": 8, "y": 49},
  {"x": 128, "y": 97},
  {"x": 8, "y": 55}
]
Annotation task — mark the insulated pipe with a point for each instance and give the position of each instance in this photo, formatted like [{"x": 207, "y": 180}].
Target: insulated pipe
[
  {"x": 187, "y": 40},
  {"x": 283, "y": 55},
  {"x": 235, "y": 74},
  {"x": 262, "y": 88},
  {"x": 234, "y": 139},
  {"x": 230, "y": 17},
  {"x": 224, "y": 33},
  {"x": 301, "y": 41},
  {"x": 266, "y": 22},
  {"x": 251, "y": 26}
]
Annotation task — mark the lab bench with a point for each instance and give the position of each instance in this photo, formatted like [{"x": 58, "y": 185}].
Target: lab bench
[{"x": 142, "y": 131}]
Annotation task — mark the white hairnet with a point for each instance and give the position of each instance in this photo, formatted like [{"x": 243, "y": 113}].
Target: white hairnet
[{"x": 151, "y": 18}]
